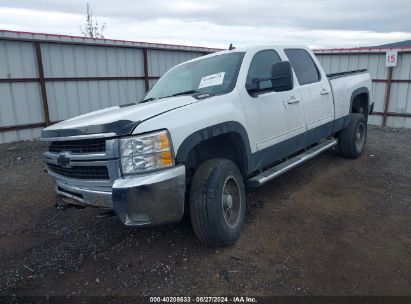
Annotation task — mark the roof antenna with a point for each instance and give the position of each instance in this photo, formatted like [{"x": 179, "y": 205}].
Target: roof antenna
[{"x": 231, "y": 47}]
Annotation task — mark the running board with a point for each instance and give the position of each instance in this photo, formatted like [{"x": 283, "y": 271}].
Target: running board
[{"x": 283, "y": 167}]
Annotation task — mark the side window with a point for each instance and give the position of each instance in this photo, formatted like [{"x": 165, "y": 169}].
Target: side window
[
  {"x": 303, "y": 65},
  {"x": 260, "y": 66}
]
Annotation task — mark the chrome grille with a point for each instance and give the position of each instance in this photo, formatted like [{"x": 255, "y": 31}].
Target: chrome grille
[
  {"x": 81, "y": 172},
  {"x": 79, "y": 146},
  {"x": 91, "y": 161}
]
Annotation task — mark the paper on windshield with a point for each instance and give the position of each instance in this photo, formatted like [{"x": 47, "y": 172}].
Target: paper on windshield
[{"x": 211, "y": 80}]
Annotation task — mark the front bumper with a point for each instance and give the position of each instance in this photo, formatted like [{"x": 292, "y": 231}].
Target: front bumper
[{"x": 142, "y": 200}]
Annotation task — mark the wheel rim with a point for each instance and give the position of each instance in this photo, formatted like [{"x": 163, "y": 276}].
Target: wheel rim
[
  {"x": 360, "y": 137},
  {"x": 231, "y": 200}
]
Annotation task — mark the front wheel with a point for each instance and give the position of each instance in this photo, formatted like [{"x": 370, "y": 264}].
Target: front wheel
[
  {"x": 217, "y": 203},
  {"x": 351, "y": 141}
]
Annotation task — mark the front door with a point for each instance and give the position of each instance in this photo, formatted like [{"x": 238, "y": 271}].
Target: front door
[{"x": 279, "y": 115}]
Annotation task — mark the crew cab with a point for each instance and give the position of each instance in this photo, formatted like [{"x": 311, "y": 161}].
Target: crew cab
[{"x": 209, "y": 129}]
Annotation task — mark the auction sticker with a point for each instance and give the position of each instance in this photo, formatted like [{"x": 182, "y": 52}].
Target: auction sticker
[{"x": 211, "y": 80}]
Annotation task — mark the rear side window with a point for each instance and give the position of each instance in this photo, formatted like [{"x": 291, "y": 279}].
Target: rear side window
[
  {"x": 303, "y": 65},
  {"x": 260, "y": 67}
]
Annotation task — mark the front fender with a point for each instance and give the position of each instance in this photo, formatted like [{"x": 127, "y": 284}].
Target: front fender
[{"x": 209, "y": 132}]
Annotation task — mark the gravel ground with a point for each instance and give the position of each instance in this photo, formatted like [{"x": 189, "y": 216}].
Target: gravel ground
[{"x": 330, "y": 227}]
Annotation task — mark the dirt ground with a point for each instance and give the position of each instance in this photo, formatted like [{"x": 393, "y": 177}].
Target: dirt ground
[{"x": 330, "y": 227}]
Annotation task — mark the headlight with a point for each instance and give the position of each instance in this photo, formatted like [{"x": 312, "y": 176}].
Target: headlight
[{"x": 146, "y": 152}]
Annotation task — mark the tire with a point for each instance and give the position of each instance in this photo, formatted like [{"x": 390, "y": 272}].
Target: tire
[
  {"x": 217, "y": 203},
  {"x": 352, "y": 139}
]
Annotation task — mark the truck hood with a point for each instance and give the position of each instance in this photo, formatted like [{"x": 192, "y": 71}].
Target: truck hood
[{"x": 117, "y": 120}]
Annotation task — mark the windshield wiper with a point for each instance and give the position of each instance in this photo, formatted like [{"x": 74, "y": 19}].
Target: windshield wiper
[
  {"x": 186, "y": 92},
  {"x": 176, "y": 94},
  {"x": 147, "y": 100},
  {"x": 179, "y": 94}
]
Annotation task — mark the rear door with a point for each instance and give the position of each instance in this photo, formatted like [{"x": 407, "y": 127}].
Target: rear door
[
  {"x": 316, "y": 94},
  {"x": 278, "y": 115}
]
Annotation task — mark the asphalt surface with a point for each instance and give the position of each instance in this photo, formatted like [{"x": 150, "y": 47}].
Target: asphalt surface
[{"x": 330, "y": 227}]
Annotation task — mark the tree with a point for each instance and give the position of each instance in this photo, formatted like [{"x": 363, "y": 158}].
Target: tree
[{"x": 92, "y": 28}]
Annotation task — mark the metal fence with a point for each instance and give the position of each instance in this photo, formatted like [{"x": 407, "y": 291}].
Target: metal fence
[
  {"x": 48, "y": 78},
  {"x": 391, "y": 86}
]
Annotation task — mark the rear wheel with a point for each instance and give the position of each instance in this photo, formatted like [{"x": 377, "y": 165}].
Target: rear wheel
[
  {"x": 217, "y": 203},
  {"x": 352, "y": 139}
]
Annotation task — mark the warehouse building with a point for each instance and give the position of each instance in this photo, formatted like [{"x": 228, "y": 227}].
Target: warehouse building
[
  {"x": 47, "y": 78},
  {"x": 390, "y": 70}
]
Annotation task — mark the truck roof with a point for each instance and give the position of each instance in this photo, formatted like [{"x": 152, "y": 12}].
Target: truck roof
[
  {"x": 265, "y": 46},
  {"x": 251, "y": 48}
]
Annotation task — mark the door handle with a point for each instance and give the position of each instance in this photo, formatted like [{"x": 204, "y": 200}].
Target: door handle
[
  {"x": 324, "y": 92},
  {"x": 293, "y": 100}
]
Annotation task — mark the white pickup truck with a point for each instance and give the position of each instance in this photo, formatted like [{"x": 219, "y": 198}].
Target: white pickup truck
[{"x": 207, "y": 130}]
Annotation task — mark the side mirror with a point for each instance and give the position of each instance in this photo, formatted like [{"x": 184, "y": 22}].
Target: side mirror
[
  {"x": 282, "y": 76},
  {"x": 281, "y": 80},
  {"x": 253, "y": 86}
]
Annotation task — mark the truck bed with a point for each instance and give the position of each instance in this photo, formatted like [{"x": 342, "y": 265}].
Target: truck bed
[
  {"x": 342, "y": 74},
  {"x": 346, "y": 84}
]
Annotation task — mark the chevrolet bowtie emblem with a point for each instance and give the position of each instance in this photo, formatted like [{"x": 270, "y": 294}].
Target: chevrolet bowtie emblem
[{"x": 63, "y": 160}]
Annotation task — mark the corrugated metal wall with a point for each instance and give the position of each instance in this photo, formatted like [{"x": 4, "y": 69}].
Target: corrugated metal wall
[
  {"x": 80, "y": 75},
  {"x": 399, "y": 99},
  {"x": 20, "y": 101}
]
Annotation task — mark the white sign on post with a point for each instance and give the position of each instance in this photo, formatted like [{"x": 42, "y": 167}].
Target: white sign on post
[{"x": 391, "y": 58}]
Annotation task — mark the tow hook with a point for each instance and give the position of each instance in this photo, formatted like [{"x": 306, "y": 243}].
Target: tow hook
[
  {"x": 106, "y": 214},
  {"x": 61, "y": 204}
]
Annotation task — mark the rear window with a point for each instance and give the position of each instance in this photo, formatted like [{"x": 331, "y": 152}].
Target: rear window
[{"x": 303, "y": 65}]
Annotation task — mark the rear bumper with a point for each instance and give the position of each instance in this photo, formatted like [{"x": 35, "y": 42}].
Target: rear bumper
[{"x": 143, "y": 200}]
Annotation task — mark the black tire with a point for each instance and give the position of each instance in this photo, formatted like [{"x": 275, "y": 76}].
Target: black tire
[
  {"x": 216, "y": 185},
  {"x": 352, "y": 139}
]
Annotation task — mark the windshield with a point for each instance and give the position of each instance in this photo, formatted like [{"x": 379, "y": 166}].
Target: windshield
[{"x": 213, "y": 75}]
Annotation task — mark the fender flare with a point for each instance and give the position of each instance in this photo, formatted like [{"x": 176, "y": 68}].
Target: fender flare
[
  {"x": 357, "y": 92},
  {"x": 343, "y": 122},
  {"x": 212, "y": 131}
]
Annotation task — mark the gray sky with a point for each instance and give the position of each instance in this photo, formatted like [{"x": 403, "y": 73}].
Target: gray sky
[{"x": 318, "y": 23}]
